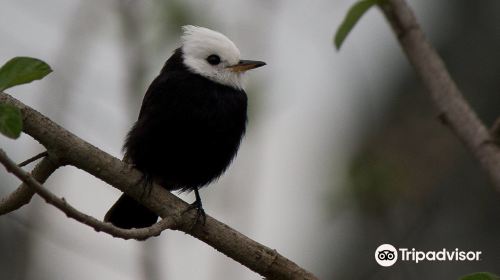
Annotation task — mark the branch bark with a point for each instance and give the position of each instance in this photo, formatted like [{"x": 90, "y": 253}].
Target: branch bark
[
  {"x": 69, "y": 149},
  {"x": 23, "y": 194},
  {"x": 453, "y": 108}
]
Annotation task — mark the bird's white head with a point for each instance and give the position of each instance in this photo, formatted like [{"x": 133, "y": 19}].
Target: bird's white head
[{"x": 212, "y": 55}]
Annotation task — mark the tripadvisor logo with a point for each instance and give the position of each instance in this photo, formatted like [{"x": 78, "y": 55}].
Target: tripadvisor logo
[{"x": 387, "y": 255}]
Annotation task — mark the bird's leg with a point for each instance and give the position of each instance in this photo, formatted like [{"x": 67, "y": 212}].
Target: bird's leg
[
  {"x": 200, "y": 212},
  {"x": 146, "y": 182}
]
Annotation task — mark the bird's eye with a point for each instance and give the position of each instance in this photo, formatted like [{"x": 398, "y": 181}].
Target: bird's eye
[{"x": 213, "y": 59}]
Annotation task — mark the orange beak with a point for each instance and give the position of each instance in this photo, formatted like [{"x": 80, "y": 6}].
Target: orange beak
[{"x": 245, "y": 65}]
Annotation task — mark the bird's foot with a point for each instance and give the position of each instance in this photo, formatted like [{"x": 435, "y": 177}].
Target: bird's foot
[{"x": 200, "y": 212}]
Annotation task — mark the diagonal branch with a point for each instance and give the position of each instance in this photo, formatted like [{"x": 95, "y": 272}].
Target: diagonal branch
[
  {"x": 445, "y": 94},
  {"x": 23, "y": 194},
  {"x": 70, "y": 211},
  {"x": 74, "y": 151}
]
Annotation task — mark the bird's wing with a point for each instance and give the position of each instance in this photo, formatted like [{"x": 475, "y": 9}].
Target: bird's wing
[{"x": 149, "y": 96}]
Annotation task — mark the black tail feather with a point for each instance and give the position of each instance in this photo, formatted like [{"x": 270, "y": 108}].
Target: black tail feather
[{"x": 127, "y": 213}]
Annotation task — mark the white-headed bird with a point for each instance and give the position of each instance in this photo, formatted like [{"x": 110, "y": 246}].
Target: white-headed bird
[{"x": 191, "y": 122}]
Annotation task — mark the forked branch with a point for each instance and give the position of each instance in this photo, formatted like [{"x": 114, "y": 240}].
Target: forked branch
[{"x": 69, "y": 149}]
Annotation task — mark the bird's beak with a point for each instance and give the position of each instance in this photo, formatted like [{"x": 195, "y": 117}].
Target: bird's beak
[{"x": 245, "y": 65}]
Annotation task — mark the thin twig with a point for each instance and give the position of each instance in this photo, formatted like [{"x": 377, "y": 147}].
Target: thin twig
[
  {"x": 70, "y": 211},
  {"x": 443, "y": 91},
  {"x": 30, "y": 160},
  {"x": 23, "y": 194}
]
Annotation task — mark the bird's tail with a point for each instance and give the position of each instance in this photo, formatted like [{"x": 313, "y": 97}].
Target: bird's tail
[{"x": 128, "y": 213}]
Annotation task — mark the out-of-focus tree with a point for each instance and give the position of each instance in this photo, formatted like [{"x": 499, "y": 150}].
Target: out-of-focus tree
[{"x": 411, "y": 181}]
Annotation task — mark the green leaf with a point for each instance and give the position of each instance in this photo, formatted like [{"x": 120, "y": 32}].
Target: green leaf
[
  {"x": 481, "y": 276},
  {"x": 357, "y": 10},
  {"x": 22, "y": 70},
  {"x": 11, "y": 121}
]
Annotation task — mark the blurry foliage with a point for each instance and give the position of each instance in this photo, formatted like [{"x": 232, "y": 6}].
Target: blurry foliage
[
  {"x": 177, "y": 13},
  {"x": 481, "y": 276},
  {"x": 149, "y": 33},
  {"x": 375, "y": 182},
  {"x": 169, "y": 16}
]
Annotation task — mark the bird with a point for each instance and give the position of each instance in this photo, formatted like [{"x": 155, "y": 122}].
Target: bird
[{"x": 191, "y": 122}]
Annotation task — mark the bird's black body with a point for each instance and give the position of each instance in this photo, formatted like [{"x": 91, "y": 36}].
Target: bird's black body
[{"x": 189, "y": 129}]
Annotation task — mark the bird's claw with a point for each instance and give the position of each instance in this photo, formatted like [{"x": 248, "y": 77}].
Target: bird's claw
[{"x": 200, "y": 212}]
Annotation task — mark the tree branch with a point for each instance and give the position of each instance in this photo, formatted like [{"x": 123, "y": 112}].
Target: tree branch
[
  {"x": 72, "y": 150},
  {"x": 445, "y": 94},
  {"x": 34, "y": 158},
  {"x": 23, "y": 194},
  {"x": 70, "y": 211}
]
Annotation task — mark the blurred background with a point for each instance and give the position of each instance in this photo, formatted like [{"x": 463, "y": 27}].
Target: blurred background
[{"x": 344, "y": 151}]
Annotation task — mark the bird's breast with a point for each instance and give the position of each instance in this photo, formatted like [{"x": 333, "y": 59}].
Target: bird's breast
[{"x": 193, "y": 141}]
